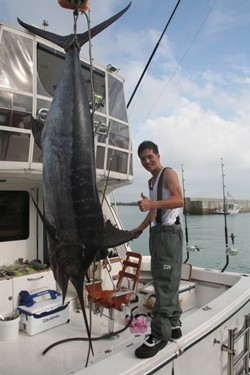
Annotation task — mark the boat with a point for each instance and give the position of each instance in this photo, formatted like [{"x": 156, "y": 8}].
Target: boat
[
  {"x": 50, "y": 337},
  {"x": 231, "y": 207}
]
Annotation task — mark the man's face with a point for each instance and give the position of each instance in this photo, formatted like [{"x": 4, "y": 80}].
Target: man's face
[{"x": 149, "y": 160}]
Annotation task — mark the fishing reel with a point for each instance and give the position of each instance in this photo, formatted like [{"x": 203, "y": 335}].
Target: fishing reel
[
  {"x": 192, "y": 248},
  {"x": 42, "y": 115},
  {"x": 231, "y": 251}
]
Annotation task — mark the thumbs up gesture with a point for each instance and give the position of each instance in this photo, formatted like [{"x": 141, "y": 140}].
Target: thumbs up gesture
[{"x": 145, "y": 204}]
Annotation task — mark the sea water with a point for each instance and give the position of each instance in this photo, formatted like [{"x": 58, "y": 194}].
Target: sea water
[{"x": 207, "y": 232}]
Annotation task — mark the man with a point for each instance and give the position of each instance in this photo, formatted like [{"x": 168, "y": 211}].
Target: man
[{"x": 165, "y": 245}]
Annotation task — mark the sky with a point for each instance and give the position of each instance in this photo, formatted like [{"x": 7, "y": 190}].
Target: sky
[{"x": 194, "y": 100}]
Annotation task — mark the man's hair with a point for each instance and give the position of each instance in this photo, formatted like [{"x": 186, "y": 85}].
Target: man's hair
[{"x": 148, "y": 144}]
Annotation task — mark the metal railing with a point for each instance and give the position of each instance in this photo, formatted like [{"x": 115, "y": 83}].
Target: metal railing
[{"x": 242, "y": 358}]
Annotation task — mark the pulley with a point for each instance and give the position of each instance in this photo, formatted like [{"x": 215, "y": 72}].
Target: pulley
[{"x": 82, "y": 5}]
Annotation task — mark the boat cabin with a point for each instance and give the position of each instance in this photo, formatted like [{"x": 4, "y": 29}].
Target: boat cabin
[{"x": 30, "y": 71}]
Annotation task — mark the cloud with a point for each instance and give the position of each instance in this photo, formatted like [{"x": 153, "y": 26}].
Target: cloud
[{"x": 198, "y": 140}]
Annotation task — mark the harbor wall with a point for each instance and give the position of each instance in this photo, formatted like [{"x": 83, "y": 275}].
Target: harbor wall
[{"x": 207, "y": 206}]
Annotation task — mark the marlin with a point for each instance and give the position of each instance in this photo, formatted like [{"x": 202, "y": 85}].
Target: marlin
[{"x": 73, "y": 215}]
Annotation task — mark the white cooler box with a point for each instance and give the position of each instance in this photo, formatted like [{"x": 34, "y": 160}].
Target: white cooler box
[{"x": 44, "y": 314}]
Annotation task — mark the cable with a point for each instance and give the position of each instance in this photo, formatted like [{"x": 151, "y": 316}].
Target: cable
[{"x": 107, "y": 336}]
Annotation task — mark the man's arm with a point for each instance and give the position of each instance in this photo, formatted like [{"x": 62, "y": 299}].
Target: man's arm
[
  {"x": 171, "y": 183},
  {"x": 144, "y": 224}
]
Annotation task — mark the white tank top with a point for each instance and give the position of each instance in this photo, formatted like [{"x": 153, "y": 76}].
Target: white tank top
[{"x": 168, "y": 216}]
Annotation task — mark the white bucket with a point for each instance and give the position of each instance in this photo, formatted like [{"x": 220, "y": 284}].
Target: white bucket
[{"x": 9, "y": 327}]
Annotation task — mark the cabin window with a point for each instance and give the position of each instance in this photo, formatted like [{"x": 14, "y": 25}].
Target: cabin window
[
  {"x": 16, "y": 53},
  {"x": 117, "y": 161},
  {"x": 43, "y": 106},
  {"x": 15, "y": 110},
  {"x": 42, "y": 111},
  {"x": 50, "y": 67},
  {"x": 100, "y": 156},
  {"x": 14, "y": 215},
  {"x": 37, "y": 154},
  {"x": 14, "y": 146},
  {"x": 98, "y": 82},
  {"x": 119, "y": 135},
  {"x": 117, "y": 105}
]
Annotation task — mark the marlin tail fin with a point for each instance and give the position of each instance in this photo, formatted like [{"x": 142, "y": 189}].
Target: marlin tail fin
[{"x": 64, "y": 41}]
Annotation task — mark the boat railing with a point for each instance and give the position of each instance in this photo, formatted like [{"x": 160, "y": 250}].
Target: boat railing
[
  {"x": 18, "y": 149},
  {"x": 20, "y": 154},
  {"x": 235, "y": 359}
]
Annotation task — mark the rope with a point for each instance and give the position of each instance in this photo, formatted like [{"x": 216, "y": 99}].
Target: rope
[{"x": 75, "y": 37}]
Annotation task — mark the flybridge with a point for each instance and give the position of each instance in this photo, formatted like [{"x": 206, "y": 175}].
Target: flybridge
[{"x": 27, "y": 86}]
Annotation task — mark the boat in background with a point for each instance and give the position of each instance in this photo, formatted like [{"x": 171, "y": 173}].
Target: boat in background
[
  {"x": 231, "y": 206},
  {"x": 52, "y": 338}
]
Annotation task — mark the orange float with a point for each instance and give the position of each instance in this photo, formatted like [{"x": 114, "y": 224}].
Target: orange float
[{"x": 82, "y": 5}]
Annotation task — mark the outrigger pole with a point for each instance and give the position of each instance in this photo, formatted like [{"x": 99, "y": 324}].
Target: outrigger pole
[{"x": 152, "y": 54}]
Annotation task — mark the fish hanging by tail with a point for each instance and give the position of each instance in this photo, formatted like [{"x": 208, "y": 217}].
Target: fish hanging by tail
[{"x": 73, "y": 215}]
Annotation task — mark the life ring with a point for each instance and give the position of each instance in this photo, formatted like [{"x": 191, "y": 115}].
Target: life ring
[{"x": 82, "y": 5}]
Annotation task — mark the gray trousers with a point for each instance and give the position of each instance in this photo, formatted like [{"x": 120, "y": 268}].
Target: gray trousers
[{"x": 165, "y": 245}]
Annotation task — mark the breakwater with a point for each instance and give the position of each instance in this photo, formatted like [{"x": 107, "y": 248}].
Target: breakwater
[
  {"x": 202, "y": 206},
  {"x": 207, "y": 206}
]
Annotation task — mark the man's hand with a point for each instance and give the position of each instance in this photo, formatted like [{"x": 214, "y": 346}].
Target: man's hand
[
  {"x": 145, "y": 203},
  {"x": 136, "y": 232}
]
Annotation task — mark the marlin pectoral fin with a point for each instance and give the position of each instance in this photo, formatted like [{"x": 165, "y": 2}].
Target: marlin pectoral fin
[
  {"x": 37, "y": 128},
  {"x": 114, "y": 236},
  {"x": 64, "y": 41}
]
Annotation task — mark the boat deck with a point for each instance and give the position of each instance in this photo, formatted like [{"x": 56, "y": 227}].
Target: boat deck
[
  {"x": 71, "y": 357},
  {"x": 208, "y": 320},
  {"x": 68, "y": 357}
]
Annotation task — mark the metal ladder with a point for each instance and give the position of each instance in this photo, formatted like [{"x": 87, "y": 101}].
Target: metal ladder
[{"x": 233, "y": 359}]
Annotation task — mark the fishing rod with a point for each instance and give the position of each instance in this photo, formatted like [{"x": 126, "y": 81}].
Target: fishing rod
[
  {"x": 152, "y": 54},
  {"x": 188, "y": 247},
  {"x": 224, "y": 214},
  {"x": 229, "y": 250}
]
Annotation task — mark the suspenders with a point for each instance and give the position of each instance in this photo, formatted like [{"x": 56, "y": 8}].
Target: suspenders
[
  {"x": 158, "y": 217},
  {"x": 159, "y": 196}
]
